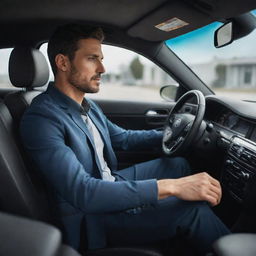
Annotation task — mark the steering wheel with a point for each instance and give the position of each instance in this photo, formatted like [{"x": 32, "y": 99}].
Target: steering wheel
[{"x": 181, "y": 128}]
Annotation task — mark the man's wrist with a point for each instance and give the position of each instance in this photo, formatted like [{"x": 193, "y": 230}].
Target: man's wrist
[{"x": 166, "y": 188}]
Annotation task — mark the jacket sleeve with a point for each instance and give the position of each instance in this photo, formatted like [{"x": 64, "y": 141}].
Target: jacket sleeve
[
  {"x": 134, "y": 139},
  {"x": 43, "y": 137}
]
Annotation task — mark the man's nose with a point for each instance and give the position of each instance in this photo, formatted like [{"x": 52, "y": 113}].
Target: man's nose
[{"x": 101, "y": 68}]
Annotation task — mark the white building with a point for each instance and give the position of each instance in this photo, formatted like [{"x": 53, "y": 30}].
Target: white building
[
  {"x": 237, "y": 72},
  {"x": 228, "y": 73}
]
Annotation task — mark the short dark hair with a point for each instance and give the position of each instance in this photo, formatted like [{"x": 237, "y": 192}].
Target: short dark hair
[{"x": 65, "y": 41}]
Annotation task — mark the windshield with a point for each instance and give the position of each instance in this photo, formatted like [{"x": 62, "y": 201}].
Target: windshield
[{"x": 228, "y": 71}]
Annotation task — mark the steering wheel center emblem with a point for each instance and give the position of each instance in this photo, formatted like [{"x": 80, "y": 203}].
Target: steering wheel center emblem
[{"x": 177, "y": 123}]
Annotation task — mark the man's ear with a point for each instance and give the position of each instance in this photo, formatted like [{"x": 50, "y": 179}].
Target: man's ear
[{"x": 62, "y": 62}]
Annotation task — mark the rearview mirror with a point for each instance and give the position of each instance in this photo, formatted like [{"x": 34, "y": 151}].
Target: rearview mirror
[
  {"x": 234, "y": 29},
  {"x": 223, "y": 35}
]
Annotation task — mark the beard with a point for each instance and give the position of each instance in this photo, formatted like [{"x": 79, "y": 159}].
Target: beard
[{"x": 84, "y": 86}]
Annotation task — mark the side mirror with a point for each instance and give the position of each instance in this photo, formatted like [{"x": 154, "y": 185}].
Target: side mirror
[
  {"x": 169, "y": 92},
  {"x": 223, "y": 35}
]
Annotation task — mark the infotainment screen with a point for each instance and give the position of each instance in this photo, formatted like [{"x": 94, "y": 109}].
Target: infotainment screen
[
  {"x": 242, "y": 127},
  {"x": 233, "y": 122}
]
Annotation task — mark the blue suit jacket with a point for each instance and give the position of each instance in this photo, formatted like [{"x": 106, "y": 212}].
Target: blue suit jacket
[{"x": 62, "y": 149}]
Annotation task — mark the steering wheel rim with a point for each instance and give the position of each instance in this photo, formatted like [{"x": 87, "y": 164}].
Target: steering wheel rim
[{"x": 181, "y": 128}]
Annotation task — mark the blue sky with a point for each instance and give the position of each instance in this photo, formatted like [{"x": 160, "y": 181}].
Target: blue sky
[{"x": 198, "y": 46}]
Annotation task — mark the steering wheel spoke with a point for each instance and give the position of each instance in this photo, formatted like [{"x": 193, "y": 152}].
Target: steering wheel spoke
[
  {"x": 177, "y": 142},
  {"x": 173, "y": 144}
]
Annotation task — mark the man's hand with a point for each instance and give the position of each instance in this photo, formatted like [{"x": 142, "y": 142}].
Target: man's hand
[{"x": 197, "y": 187}]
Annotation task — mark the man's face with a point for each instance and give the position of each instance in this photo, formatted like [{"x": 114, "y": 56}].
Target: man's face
[{"x": 86, "y": 67}]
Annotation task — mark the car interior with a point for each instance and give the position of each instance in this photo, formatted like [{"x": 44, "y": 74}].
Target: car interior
[{"x": 210, "y": 142}]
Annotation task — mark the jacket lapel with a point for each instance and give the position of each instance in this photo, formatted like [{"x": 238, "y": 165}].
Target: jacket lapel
[
  {"x": 76, "y": 117},
  {"x": 80, "y": 123}
]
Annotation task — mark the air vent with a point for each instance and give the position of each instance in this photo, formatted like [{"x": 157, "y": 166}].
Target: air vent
[{"x": 244, "y": 155}]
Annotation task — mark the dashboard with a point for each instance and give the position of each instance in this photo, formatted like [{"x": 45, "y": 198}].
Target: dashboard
[
  {"x": 237, "y": 117},
  {"x": 234, "y": 123}
]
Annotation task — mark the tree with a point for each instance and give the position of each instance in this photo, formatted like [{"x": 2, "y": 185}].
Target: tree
[
  {"x": 136, "y": 68},
  {"x": 221, "y": 76}
]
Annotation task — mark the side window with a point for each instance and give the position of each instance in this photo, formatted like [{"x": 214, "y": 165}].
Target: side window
[
  {"x": 43, "y": 49},
  {"x": 4, "y": 62},
  {"x": 128, "y": 76}
]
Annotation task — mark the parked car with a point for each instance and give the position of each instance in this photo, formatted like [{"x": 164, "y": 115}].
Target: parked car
[{"x": 171, "y": 52}]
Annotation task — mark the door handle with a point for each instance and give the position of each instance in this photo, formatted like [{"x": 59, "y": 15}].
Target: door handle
[
  {"x": 156, "y": 116},
  {"x": 151, "y": 113},
  {"x": 157, "y": 112}
]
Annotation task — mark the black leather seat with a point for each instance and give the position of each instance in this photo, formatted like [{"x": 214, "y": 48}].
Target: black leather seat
[
  {"x": 28, "y": 69},
  {"x": 18, "y": 195},
  {"x": 23, "y": 193}
]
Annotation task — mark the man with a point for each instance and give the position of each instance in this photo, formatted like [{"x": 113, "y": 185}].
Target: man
[{"x": 71, "y": 144}]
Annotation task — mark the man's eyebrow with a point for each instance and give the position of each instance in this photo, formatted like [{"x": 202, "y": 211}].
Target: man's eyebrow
[{"x": 96, "y": 56}]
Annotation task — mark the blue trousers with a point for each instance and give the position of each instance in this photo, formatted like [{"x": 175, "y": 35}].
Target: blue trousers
[{"x": 149, "y": 224}]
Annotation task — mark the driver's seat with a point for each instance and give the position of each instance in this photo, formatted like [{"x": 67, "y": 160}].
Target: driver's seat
[{"x": 32, "y": 62}]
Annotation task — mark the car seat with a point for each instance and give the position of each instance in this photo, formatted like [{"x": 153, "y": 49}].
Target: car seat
[{"x": 28, "y": 69}]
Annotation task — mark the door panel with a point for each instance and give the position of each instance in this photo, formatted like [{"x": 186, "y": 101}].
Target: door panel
[{"x": 136, "y": 116}]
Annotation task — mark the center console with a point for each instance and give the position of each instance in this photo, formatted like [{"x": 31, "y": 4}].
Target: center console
[{"x": 239, "y": 167}]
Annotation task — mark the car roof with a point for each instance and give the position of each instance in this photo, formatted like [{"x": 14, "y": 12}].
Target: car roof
[{"x": 28, "y": 22}]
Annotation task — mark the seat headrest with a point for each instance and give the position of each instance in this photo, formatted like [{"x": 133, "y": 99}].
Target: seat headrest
[{"x": 28, "y": 67}]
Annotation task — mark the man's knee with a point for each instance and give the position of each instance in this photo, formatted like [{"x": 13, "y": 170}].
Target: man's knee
[
  {"x": 192, "y": 211},
  {"x": 201, "y": 215},
  {"x": 205, "y": 227},
  {"x": 203, "y": 210}
]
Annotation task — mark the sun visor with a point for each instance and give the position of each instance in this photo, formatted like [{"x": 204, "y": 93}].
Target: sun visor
[{"x": 172, "y": 19}]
